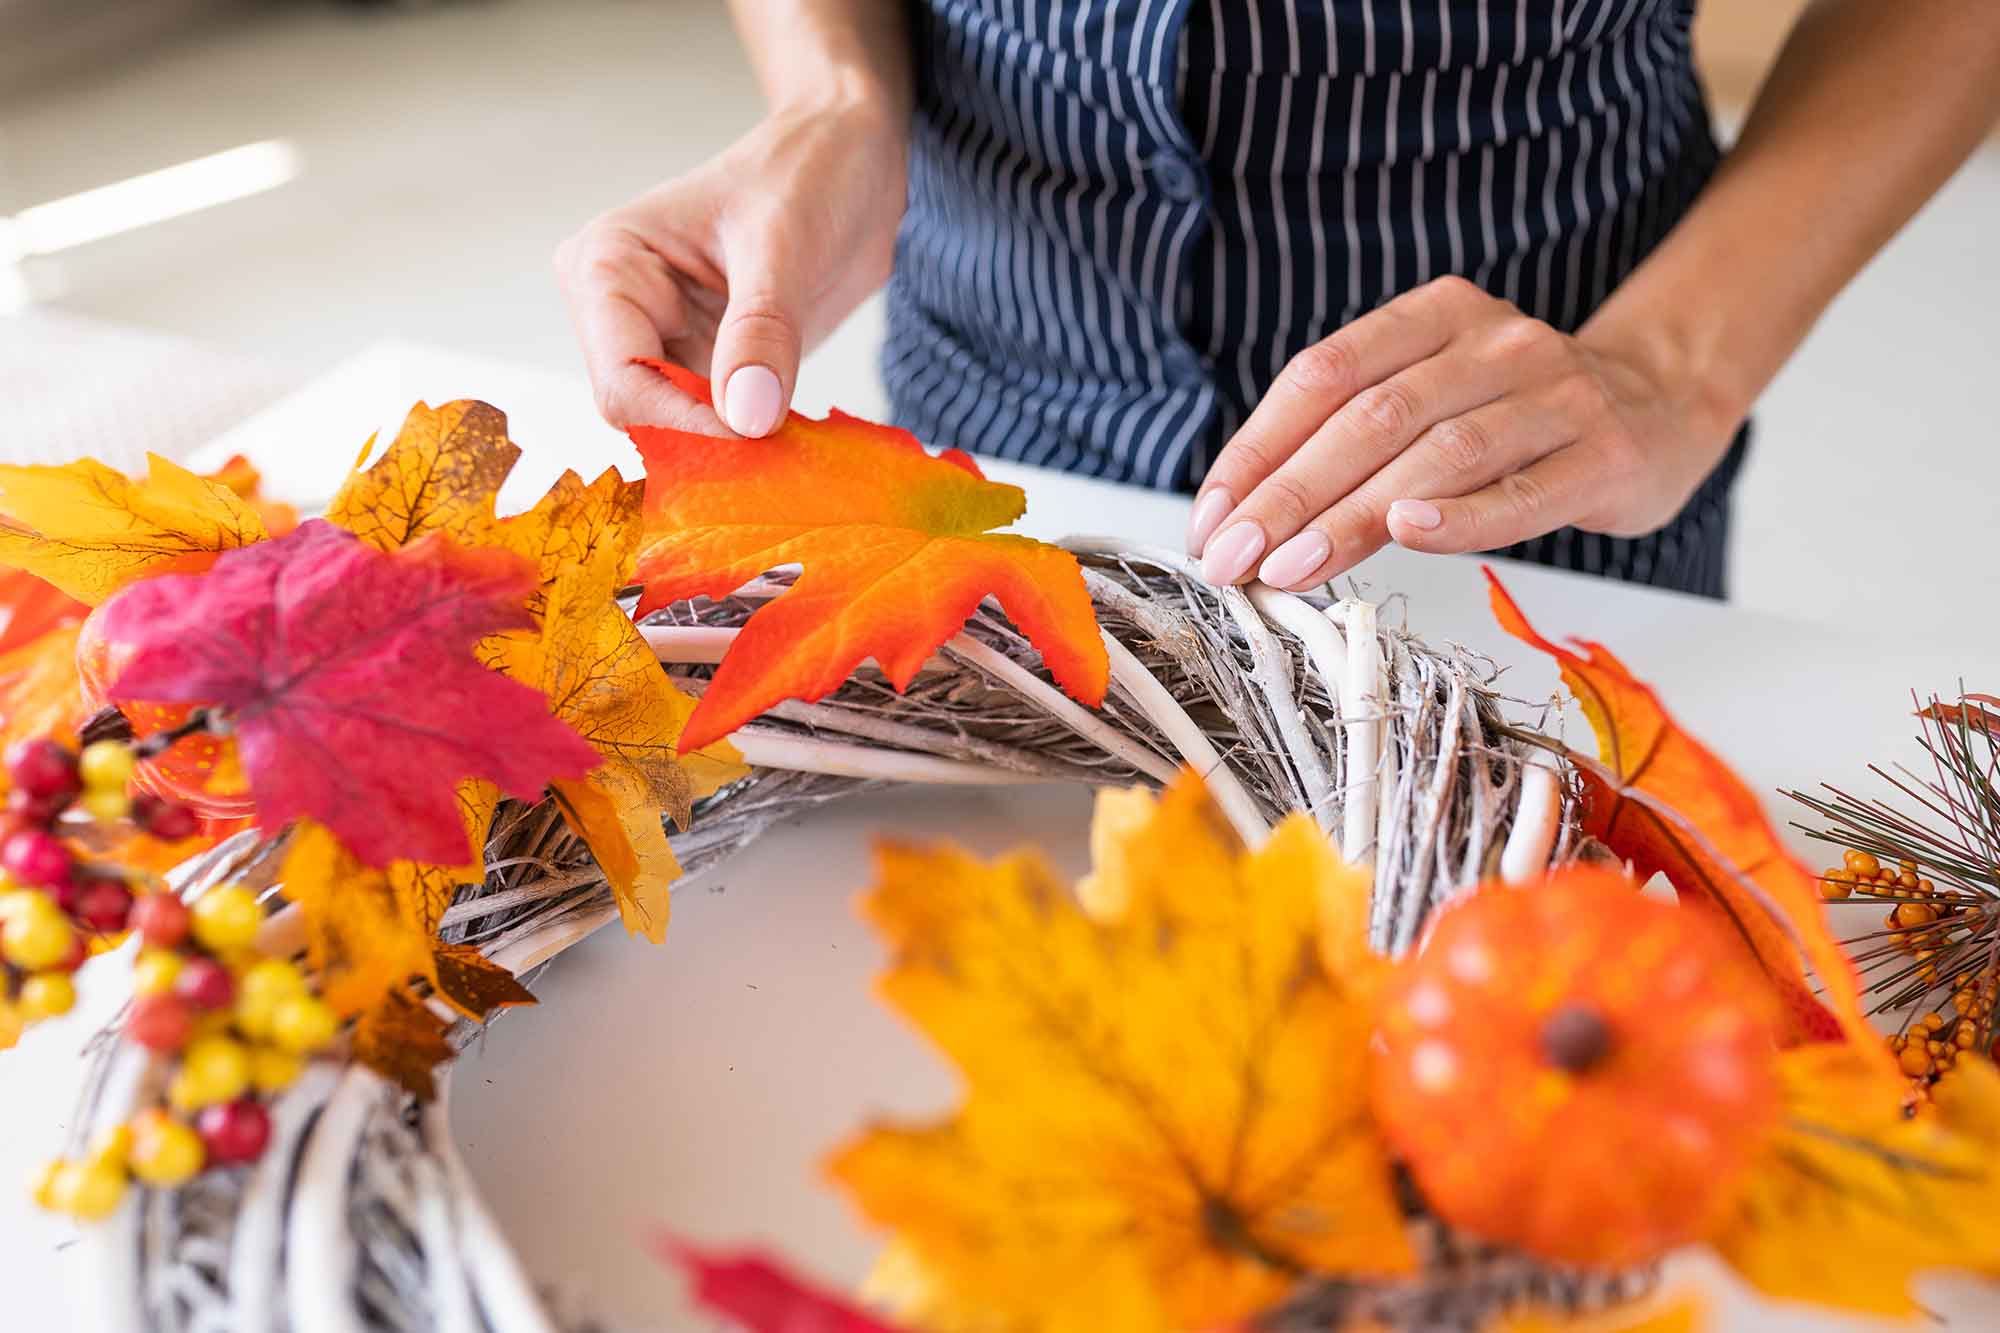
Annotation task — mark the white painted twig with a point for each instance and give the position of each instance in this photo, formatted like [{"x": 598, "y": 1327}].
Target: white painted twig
[
  {"x": 1395, "y": 789},
  {"x": 102, "y": 1269},
  {"x": 1157, "y": 702},
  {"x": 706, "y": 645},
  {"x": 765, "y": 747},
  {"x": 528, "y": 951},
  {"x": 1443, "y": 779},
  {"x": 1362, "y": 707},
  {"x": 1325, "y": 645},
  {"x": 1061, "y": 707},
  {"x": 1536, "y": 818},
  {"x": 453, "y": 1309},
  {"x": 688, "y": 645},
  {"x": 1268, "y": 667},
  {"x": 1473, "y": 868},
  {"x": 257, "y": 1242},
  {"x": 506, "y": 1296},
  {"x": 908, "y": 736},
  {"x": 320, "y": 1251},
  {"x": 1113, "y": 548}
]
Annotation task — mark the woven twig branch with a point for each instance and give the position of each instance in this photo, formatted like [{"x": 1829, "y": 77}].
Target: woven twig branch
[{"x": 360, "y": 1216}]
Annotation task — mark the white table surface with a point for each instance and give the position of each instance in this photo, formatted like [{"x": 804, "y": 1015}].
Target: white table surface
[{"x": 697, "y": 1083}]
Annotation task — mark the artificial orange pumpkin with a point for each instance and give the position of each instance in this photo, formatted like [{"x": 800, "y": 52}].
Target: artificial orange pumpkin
[
  {"x": 1576, "y": 1069},
  {"x": 200, "y": 770}
]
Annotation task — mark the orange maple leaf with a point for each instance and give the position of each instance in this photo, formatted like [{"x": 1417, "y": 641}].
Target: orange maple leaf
[
  {"x": 240, "y": 475},
  {"x": 30, "y": 607},
  {"x": 1658, "y": 798},
  {"x": 897, "y": 548}
]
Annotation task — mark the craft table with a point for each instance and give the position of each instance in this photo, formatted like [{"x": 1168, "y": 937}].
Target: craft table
[{"x": 696, "y": 1084}]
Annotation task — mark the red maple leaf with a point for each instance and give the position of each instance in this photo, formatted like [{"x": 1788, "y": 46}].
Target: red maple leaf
[
  {"x": 760, "y": 1295},
  {"x": 348, "y": 678}
]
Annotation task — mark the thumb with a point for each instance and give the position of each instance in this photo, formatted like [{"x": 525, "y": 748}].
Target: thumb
[{"x": 757, "y": 347}]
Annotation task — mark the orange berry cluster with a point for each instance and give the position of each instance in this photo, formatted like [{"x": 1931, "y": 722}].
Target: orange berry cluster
[
  {"x": 1863, "y": 872},
  {"x": 1921, "y": 922},
  {"x": 235, "y": 1026}
]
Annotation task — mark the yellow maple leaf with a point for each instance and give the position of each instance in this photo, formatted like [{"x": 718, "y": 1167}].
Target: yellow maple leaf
[
  {"x": 602, "y": 678},
  {"x": 358, "y": 941},
  {"x": 443, "y": 473},
  {"x": 1684, "y": 1312},
  {"x": 90, "y": 529},
  {"x": 370, "y": 930},
  {"x": 440, "y": 474},
  {"x": 1164, "y": 1123},
  {"x": 1855, "y": 1197}
]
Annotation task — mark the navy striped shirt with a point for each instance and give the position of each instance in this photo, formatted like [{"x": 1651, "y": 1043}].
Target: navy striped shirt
[{"x": 1126, "y": 216}]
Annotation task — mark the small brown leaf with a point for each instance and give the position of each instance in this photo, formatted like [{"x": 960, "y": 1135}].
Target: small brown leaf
[
  {"x": 404, "y": 1042},
  {"x": 474, "y": 984}
]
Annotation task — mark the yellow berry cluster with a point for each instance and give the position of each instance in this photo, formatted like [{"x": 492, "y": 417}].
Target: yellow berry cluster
[
  {"x": 238, "y": 1027},
  {"x": 57, "y": 909},
  {"x": 233, "y": 1026},
  {"x": 40, "y": 949}
]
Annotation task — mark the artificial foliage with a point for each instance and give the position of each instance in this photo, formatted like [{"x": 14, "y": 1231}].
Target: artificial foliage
[
  {"x": 1197, "y": 1089},
  {"x": 1577, "y": 1069},
  {"x": 1165, "y": 1117},
  {"x": 896, "y": 546}
]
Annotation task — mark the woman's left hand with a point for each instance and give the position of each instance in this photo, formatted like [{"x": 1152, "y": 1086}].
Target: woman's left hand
[{"x": 1449, "y": 421}]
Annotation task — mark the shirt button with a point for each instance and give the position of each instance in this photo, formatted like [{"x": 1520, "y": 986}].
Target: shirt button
[{"x": 1174, "y": 177}]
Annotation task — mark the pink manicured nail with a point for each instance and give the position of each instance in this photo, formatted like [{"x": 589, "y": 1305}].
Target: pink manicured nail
[
  {"x": 1210, "y": 510},
  {"x": 750, "y": 403},
  {"x": 1295, "y": 561},
  {"x": 1419, "y": 514},
  {"x": 1228, "y": 557}
]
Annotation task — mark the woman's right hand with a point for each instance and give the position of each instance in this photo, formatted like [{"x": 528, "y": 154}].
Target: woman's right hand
[{"x": 737, "y": 267}]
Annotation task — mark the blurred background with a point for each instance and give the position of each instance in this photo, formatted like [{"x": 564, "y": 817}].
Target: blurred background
[{"x": 350, "y": 172}]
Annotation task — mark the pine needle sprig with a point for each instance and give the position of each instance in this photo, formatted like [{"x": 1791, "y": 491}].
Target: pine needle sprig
[{"x": 1930, "y": 855}]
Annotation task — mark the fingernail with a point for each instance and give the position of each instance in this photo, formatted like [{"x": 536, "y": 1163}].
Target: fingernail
[
  {"x": 1209, "y": 510},
  {"x": 1295, "y": 561},
  {"x": 1229, "y": 555},
  {"x": 750, "y": 402},
  {"x": 1419, "y": 514}
]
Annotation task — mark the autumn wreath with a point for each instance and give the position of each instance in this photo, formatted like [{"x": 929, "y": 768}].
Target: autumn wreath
[{"x": 1359, "y": 1021}]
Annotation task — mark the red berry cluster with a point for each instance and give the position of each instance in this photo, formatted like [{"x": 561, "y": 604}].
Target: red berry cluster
[
  {"x": 51, "y": 904},
  {"x": 236, "y": 1027}
]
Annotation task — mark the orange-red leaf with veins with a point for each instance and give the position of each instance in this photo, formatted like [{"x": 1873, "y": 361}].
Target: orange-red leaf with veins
[
  {"x": 1656, "y": 797},
  {"x": 896, "y": 546},
  {"x": 30, "y": 607}
]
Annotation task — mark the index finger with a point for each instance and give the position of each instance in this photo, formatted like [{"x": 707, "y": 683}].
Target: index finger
[
  {"x": 614, "y": 331},
  {"x": 1314, "y": 385}
]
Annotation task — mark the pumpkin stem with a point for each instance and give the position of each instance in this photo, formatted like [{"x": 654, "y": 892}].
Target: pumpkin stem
[{"x": 1575, "y": 1038}]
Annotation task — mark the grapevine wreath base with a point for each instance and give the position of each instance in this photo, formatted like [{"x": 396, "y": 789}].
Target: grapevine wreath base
[{"x": 361, "y": 1215}]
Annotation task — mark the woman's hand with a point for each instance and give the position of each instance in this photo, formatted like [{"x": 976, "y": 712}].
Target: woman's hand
[
  {"x": 735, "y": 268},
  {"x": 1446, "y": 421}
]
